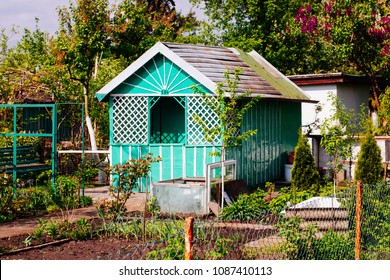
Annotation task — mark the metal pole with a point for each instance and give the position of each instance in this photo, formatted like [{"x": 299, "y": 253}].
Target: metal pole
[
  {"x": 54, "y": 148},
  {"x": 358, "y": 219},
  {"x": 14, "y": 151},
  {"x": 189, "y": 236}
]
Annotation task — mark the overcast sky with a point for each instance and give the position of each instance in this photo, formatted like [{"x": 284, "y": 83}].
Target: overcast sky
[{"x": 22, "y": 13}]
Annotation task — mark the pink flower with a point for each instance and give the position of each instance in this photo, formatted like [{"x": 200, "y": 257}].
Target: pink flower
[
  {"x": 385, "y": 50},
  {"x": 348, "y": 11},
  {"x": 328, "y": 8},
  {"x": 308, "y": 9}
]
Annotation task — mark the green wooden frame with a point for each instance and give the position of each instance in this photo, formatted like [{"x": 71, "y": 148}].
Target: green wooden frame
[{"x": 14, "y": 134}]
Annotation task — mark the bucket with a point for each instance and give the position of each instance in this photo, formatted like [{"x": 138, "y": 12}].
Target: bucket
[{"x": 287, "y": 172}]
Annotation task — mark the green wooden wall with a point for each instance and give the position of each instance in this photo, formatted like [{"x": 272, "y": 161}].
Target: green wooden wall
[
  {"x": 178, "y": 160},
  {"x": 262, "y": 157}
]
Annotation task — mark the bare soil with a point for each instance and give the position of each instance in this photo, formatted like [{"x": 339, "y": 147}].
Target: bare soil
[
  {"x": 106, "y": 248},
  {"x": 95, "y": 249}
]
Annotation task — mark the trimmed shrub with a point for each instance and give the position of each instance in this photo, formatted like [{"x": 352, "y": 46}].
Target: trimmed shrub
[
  {"x": 304, "y": 174},
  {"x": 369, "y": 165}
]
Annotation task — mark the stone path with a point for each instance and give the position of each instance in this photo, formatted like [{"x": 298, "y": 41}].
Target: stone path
[{"x": 136, "y": 202}]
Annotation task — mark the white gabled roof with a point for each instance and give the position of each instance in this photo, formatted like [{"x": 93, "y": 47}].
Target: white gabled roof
[{"x": 158, "y": 48}]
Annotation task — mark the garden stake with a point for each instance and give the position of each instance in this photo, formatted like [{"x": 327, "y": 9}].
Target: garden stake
[
  {"x": 358, "y": 218},
  {"x": 189, "y": 238}
]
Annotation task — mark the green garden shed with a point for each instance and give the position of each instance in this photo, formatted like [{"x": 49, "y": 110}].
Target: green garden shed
[{"x": 152, "y": 104}]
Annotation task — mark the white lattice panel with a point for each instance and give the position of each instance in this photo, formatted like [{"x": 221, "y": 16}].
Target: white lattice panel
[
  {"x": 196, "y": 105},
  {"x": 130, "y": 119}
]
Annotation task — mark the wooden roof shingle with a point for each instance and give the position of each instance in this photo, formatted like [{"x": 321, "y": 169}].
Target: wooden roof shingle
[{"x": 208, "y": 65}]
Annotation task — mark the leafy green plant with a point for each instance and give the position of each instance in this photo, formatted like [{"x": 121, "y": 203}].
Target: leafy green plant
[
  {"x": 172, "y": 249},
  {"x": 338, "y": 133},
  {"x": 230, "y": 107},
  {"x": 6, "y": 198},
  {"x": 299, "y": 244},
  {"x": 247, "y": 207},
  {"x": 220, "y": 249},
  {"x": 286, "y": 196},
  {"x": 335, "y": 246},
  {"x": 58, "y": 229},
  {"x": 152, "y": 207},
  {"x": 126, "y": 178},
  {"x": 82, "y": 229},
  {"x": 90, "y": 171},
  {"x": 66, "y": 189},
  {"x": 28, "y": 241}
]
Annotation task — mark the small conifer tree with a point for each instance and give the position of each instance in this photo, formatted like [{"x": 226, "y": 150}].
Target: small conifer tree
[
  {"x": 369, "y": 165},
  {"x": 304, "y": 174}
]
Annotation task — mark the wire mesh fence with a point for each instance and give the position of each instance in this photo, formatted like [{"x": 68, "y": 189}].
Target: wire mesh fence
[{"x": 321, "y": 228}]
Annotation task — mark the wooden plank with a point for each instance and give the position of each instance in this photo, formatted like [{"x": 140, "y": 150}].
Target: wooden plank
[
  {"x": 327, "y": 225},
  {"x": 214, "y": 207},
  {"x": 323, "y": 213}
]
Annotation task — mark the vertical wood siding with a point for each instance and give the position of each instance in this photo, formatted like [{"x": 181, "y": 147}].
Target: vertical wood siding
[
  {"x": 177, "y": 160},
  {"x": 262, "y": 157}
]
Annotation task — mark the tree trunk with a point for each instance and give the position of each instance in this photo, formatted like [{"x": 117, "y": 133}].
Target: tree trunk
[
  {"x": 88, "y": 121},
  {"x": 91, "y": 133}
]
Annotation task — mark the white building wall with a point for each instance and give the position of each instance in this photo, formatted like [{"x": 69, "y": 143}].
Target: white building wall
[
  {"x": 321, "y": 94},
  {"x": 352, "y": 95}
]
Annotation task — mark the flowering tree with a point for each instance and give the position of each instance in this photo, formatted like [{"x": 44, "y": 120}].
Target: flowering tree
[{"x": 354, "y": 35}]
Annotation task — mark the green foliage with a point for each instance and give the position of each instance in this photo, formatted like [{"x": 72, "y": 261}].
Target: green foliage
[
  {"x": 247, "y": 207},
  {"x": 267, "y": 27},
  {"x": 304, "y": 174},
  {"x": 82, "y": 229},
  {"x": 334, "y": 246},
  {"x": 384, "y": 114},
  {"x": 173, "y": 249},
  {"x": 138, "y": 25},
  {"x": 299, "y": 243},
  {"x": 355, "y": 36},
  {"x": 286, "y": 196},
  {"x": 152, "y": 207},
  {"x": 338, "y": 133},
  {"x": 35, "y": 200},
  {"x": 376, "y": 220},
  {"x": 6, "y": 198},
  {"x": 35, "y": 142},
  {"x": 369, "y": 165},
  {"x": 83, "y": 36},
  {"x": 66, "y": 191},
  {"x": 126, "y": 178},
  {"x": 59, "y": 229},
  {"x": 230, "y": 107},
  {"x": 220, "y": 249},
  {"x": 375, "y": 242},
  {"x": 302, "y": 243}
]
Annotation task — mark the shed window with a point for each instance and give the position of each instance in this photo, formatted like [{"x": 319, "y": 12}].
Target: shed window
[{"x": 167, "y": 121}]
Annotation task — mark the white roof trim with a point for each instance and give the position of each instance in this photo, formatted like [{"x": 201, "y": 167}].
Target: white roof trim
[
  {"x": 148, "y": 55},
  {"x": 268, "y": 66}
]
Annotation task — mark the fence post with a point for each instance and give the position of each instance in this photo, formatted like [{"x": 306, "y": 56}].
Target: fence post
[
  {"x": 189, "y": 234},
  {"x": 358, "y": 218}
]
